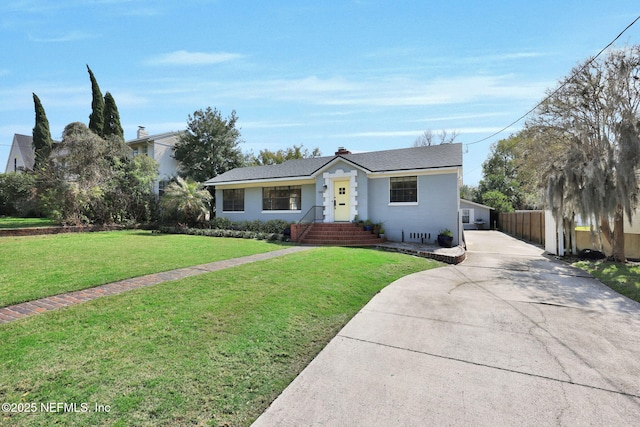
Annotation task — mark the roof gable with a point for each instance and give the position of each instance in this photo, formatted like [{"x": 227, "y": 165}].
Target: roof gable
[
  {"x": 23, "y": 144},
  {"x": 480, "y": 205},
  {"x": 433, "y": 157}
]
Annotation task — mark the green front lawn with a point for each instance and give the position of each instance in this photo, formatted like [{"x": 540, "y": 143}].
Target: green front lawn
[
  {"x": 622, "y": 278},
  {"x": 39, "y": 266},
  {"x": 214, "y": 349},
  {"x": 12, "y": 222}
]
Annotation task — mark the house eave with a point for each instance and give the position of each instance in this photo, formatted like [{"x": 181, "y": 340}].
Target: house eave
[
  {"x": 480, "y": 205},
  {"x": 153, "y": 138},
  {"x": 425, "y": 171},
  {"x": 310, "y": 179},
  {"x": 291, "y": 180}
]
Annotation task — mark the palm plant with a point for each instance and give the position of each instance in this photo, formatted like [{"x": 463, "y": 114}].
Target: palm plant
[{"x": 188, "y": 199}]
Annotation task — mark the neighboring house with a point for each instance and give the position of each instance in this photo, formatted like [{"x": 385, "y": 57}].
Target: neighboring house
[
  {"x": 414, "y": 192},
  {"x": 21, "y": 154},
  {"x": 160, "y": 148},
  {"x": 475, "y": 215}
]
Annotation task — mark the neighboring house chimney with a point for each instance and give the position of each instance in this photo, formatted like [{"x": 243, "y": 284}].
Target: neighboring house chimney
[
  {"x": 142, "y": 133},
  {"x": 342, "y": 150}
]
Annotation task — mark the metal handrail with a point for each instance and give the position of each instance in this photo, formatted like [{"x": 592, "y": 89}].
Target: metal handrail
[{"x": 309, "y": 218}]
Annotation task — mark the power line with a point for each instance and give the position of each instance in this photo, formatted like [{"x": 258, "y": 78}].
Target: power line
[{"x": 558, "y": 88}]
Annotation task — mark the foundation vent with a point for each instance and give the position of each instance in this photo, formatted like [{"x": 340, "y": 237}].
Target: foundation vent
[{"x": 416, "y": 237}]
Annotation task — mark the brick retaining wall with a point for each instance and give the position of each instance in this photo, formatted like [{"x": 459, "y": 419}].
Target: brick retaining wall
[{"x": 35, "y": 231}]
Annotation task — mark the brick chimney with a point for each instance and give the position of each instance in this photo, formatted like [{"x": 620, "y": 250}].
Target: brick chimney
[
  {"x": 342, "y": 150},
  {"x": 142, "y": 133}
]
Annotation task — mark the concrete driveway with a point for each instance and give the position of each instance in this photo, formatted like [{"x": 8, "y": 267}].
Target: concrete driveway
[{"x": 508, "y": 337}]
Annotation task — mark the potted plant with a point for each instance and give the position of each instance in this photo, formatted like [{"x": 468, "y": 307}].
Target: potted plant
[
  {"x": 445, "y": 238},
  {"x": 368, "y": 225},
  {"x": 381, "y": 233},
  {"x": 376, "y": 228}
]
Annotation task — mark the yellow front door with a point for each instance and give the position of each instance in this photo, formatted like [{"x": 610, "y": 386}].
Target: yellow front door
[{"x": 341, "y": 201}]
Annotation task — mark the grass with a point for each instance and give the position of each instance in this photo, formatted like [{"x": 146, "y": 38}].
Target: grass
[
  {"x": 12, "y": 222},
  {"x": 214, "y": 349},
  {"x": 39, "y": 266},
  {"x": 622, "y": 278}
]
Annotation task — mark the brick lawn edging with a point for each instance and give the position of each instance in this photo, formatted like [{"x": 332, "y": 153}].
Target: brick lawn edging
[
  {"x": 42, "y": 305},
  {"x": 36, "y": 231},
  {"x": 448, "y": 259}
]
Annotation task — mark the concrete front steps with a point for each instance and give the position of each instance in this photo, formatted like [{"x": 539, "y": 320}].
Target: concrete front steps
[{"x": 339, "y": 234}]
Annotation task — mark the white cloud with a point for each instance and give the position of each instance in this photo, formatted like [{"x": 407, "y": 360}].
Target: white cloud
[
  {"x": 142, "y": 12},
  {"x": 414, "y": 133},
  {"x": 380, "y": 134},
  {"x": 268, "y": 125},
  {"x": 51, "y": 95},
  {"x": 71, "y": 36},
  {"x": 183, "y": 57},
  {"x": 345, "y": 96},
  {"x": 388, "y": 92},
  {"x": 459, "y": 117}
]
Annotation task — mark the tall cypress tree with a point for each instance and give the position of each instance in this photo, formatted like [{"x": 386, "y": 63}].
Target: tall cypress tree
[
  {"x": 42, "y": 142},
  {"x": 112, "y": 124},
  {"x": 96, "y": 119}
]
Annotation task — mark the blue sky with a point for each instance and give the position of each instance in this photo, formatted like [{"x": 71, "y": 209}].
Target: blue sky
[{"x": 363, "y": 74}]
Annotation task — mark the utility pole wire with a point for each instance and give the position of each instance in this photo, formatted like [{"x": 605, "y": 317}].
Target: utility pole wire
[{"x": 557, "y": 89}]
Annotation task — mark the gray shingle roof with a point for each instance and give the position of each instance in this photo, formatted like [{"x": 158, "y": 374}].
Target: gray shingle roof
[{"x": 433, "y": 157}]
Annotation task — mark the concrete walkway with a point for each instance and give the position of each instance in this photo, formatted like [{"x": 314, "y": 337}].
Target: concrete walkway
[
  {"x": 25, "y": 309},
  {"x": 508, "y": 337}
]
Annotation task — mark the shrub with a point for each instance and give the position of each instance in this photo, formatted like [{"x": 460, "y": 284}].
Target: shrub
[
  {"x": 217, "y": 232},
  {"x": 221, "y": 223},
  {"x": 17, "y": 194},
  {"x": 257, "y": 226}
]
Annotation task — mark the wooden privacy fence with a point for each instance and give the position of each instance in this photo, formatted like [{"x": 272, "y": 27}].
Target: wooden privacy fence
[{"x": 524, "y": 225}]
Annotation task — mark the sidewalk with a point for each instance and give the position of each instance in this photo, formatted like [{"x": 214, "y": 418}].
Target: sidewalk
[{"x": 31, "y": 308}]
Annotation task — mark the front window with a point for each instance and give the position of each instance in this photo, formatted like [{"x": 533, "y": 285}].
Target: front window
[
  {"x": 233, "y": 200},
  {"x": 403, "y": 189},
  {"x": 282, "y": 198}
]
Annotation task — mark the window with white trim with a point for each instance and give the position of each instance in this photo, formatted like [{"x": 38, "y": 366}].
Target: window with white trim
[
  {"x": 282, "y": 198},
  {"x": 233, "y": 200},
  {"x": 465, "y": 216},
  {"x": 403, "y": 189}
]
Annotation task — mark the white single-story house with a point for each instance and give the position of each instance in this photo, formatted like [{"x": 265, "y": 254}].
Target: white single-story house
[
  {"x": 475, "y": 215},
  {"x": 413, "y": 192}
]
